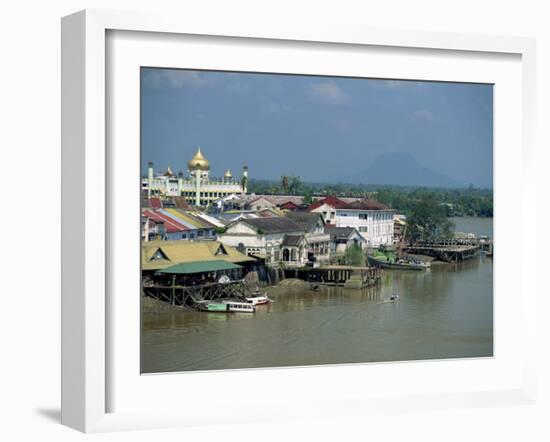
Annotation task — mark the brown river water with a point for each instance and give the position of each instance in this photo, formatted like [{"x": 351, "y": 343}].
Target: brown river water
[{"x": 446, "y": 312}]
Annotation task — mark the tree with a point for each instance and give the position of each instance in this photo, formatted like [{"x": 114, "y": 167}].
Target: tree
[
  {"x": 355, "y": 256},
  {"x": 428, "y": 220},
  {"x": 295, "y": 185},
  {"x": 284, "y": 183},
  {"x": 308, "y": 198}
]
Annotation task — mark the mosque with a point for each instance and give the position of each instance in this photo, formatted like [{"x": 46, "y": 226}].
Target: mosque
[{"x": 197, "y": 188}]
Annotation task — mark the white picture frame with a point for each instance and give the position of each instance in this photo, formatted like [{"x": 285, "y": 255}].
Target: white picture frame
[{"x": 86, "y": 169}]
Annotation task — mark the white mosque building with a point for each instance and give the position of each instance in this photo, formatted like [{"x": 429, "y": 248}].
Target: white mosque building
[{"x": 197, "y": 188}]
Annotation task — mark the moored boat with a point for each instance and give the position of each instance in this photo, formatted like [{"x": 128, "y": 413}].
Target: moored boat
[
  {"x": 393, "y": 263},
  {"x": 257, "y": 298},
  {"x": 239, "y": 306},
  {"x": 210, "y": 306}
]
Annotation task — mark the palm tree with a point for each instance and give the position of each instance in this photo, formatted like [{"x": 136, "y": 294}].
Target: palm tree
[{"x": 285, "y": 183}]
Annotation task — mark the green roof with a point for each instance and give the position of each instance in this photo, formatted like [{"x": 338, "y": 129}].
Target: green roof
[{"x": 199, "y": 267}]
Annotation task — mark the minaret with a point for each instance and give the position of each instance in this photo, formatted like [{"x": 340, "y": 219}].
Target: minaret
[
  {"x": 197, "y": 166},
  {"x": 149, "y": 178},
  {"x": 244, "y": 180}
]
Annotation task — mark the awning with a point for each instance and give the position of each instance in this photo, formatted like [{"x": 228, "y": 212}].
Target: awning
[{"x": 199, "y": 267}]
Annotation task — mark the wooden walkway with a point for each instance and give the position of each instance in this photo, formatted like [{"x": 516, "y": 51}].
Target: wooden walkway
[
  {"x": 191, "y": 295},
  {"x": 447, "y": 250},
  {"x": 337, "y": 275}
]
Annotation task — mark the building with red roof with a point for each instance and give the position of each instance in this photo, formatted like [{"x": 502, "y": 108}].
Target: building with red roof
[{"x": 327, "y": 208}]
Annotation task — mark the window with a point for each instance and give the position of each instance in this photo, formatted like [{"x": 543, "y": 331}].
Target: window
[{"x": 158, "y": 255}]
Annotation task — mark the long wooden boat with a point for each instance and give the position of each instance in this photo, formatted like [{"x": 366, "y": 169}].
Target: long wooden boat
[{"x": 399, "y": 264}]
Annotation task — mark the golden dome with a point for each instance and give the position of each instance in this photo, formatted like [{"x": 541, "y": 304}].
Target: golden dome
[
  {"x": 168, "y": 172},
  {"x": 198, "y": 162},
  {"x": 228, "y": 174}
]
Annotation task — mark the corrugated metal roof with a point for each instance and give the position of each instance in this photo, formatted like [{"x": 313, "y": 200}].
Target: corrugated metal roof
[
  {"x": 307, "y": 220},
  {"x": 329, "y": 201},
  {"x": 199, "y": 267},
  {"x": 366, "y": 204},
  {"x": 339, "y": 232},
  {"x": 292, "y": 240},
  {"x": 273, "y": 225},
  {"x": 170, "y": 224},
  {"x": 183, "y": 251}
]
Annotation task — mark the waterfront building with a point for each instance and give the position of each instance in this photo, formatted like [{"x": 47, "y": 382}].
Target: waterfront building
[
  {"x": 157, "y": 255},
  {"x": 399, "y": 223},
  {"x": 280, "y": 239},
  {"x": 198, "y": 188},
  {"x": 327, "y": 208},
  {"x": 178, "y": 224},
  {"x": 317, "y": 241},
  {"x": 373, "y": 221},
  {"x": 341, "y": 238}
]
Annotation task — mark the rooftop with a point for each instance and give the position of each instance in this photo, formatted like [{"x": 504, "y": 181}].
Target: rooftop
[
  {"x": 199, "y": 267},
  {"x": 307, "y": 220},
  {"x": 366, "y": 204},
  {"x": 177, "y": 252},
  {"x": 274, "y": 225}
]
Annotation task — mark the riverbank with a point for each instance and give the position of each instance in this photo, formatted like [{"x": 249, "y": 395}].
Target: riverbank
[{"x": 154, "y": 306}]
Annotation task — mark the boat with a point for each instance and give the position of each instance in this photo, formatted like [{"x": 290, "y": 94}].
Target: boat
[
  {"x": 391, "y": 262},
  {"x": 257, "y": 298},
  {"x": 210, "y": 306},
  {"x": 239, "y": 306}
]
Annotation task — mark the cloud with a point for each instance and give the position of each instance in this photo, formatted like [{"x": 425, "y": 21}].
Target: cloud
[
  {"x": 268, "y": 105},
  {"x": 238, "y": 87},
  {"x": 342, "y": 124},
  {"x": 327, "y": 92},
  {"x": 422, "y": 114},
  {"x": 394, "y": 84},
  {"x": 176, "y": 78}
]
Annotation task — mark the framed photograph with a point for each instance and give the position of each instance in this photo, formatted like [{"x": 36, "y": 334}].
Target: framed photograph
[{"x": 324, "y": 212}]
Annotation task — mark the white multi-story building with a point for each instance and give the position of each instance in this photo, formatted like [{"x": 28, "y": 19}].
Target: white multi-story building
[
  {"x": 198, "y": 188},
  {"x": 373, "y": 220}
]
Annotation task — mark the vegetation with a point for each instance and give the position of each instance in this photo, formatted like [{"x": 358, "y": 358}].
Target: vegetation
[
  {"x": 428, "y": 220},
  {"x": 455, "y": 202},
  {"x": 468, "y": 201},
  {"x": 355, "y": 256}
]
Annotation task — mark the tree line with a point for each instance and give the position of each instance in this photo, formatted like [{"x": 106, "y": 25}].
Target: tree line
[{"x": 468, "y": 201}]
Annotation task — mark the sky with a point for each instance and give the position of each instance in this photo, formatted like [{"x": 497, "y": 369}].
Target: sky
[{"x": 323, "y": 129}]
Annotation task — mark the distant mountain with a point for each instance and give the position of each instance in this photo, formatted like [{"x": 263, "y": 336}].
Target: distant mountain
[{"x": 401, "y": 169}]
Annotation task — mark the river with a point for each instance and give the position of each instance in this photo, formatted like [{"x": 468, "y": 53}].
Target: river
[{"x": 446, "y": 312}]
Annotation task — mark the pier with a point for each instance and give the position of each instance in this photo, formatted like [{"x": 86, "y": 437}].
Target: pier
[
  {"x": 449, "y": 250},
  {"x": 337, "y": 275},
  {"x": 192, "y": 294}
]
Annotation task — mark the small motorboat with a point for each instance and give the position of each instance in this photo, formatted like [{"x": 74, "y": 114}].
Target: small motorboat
[{"x": 257, "y": 298}]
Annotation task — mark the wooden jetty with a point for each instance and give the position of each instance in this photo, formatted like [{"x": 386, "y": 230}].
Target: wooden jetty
[
  {"x": 447, "y": 250},
  {"x": 338, "y": 275},
  {"x": 192, "y": 294}
]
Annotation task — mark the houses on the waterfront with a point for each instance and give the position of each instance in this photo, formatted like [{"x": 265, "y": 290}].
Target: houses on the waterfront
[
  {"x": 373, "y": 221},
  {"x": 293, "y": 240},
  {"x": 278, "y": 236},
  {"x": 277, "y": 229}
]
